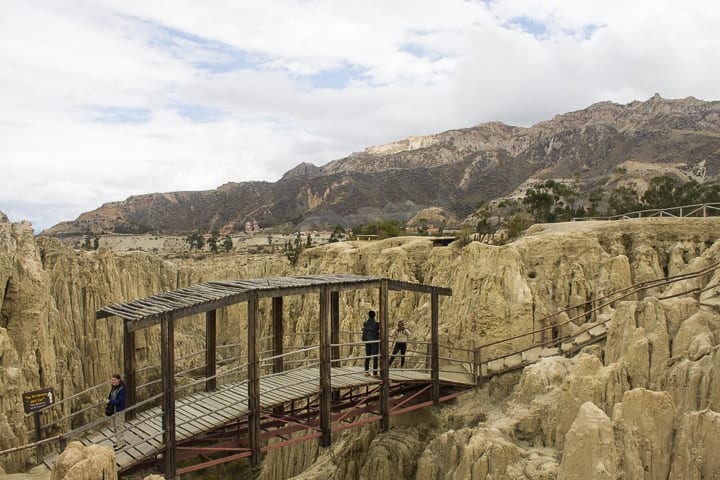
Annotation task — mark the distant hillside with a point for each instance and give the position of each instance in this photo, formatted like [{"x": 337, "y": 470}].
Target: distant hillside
[{"x": 601, "y": 146}]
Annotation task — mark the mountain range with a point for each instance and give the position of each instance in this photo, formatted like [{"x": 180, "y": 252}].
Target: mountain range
[{"x": 602, "y": 146}]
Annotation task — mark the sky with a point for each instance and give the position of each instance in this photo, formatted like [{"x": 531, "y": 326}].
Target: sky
[{"x": 104, "y": 99}]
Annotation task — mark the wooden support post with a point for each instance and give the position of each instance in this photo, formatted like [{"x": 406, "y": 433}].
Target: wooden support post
[
  {"x": 278, "y": 338},
  {"x": 210, "y": 350},
  {"x": 335, "y": 330},
  {"x": 38, "y": 437},
  {"x": 384, "y": 374},
  {"x": 167, "y": 371},
  {"x": 129, "y": 370},
  {"x": 435, "y": 341},
  {"x": 278, "y": 334},
  {"x": 253, "y": 382},
  {"x": 325, "y": 370}
]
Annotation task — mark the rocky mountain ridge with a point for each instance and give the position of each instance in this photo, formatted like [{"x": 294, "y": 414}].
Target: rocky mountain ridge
[{"x": 453, "y": 170}]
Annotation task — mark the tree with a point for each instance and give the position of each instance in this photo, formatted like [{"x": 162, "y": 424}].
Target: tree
[
  {"x": 195, "y": 240},
  {"x": 383, "y": 229},
  {"x": 213, "y": 241},
  {"x": 91, "y": 243},
  {"x": 337, "y": 234},
  {"x": 227, "y": 243},
  {"x": 293, "y": 250},
  {"x": 484, "y": 228},
  {"x": 539, "y": 202},
  {"x": 515, "y": 226},
  {"x": 551, "y": 201},
  {"x": 465, "y": 236},
  {"x": 663, "y": 192},
  {"x": 423, "y": 229},
  {"x": 624, "y": 199},
  {"x": 595, "y": 197}
]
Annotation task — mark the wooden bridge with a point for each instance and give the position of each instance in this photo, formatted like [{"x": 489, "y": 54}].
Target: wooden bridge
[
  {"x": 275, "y": 400},
  {"x": 243, "y": 408},
  {"x": 216, "y": 422}
]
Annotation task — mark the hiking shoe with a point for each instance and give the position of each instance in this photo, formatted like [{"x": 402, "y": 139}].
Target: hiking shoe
[{"x": 119, "y": 446}]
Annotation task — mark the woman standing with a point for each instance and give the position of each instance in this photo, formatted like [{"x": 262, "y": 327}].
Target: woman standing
[
  {"x": 400, "y": 333},
  {"x": 114, "y": 406}
]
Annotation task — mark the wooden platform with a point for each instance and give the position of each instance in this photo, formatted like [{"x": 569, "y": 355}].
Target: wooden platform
[{"x": 205, "y": 411}]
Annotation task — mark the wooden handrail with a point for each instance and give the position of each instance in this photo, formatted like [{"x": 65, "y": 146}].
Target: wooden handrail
[
  {"x": 624, "y": 292},
  {"x": 654, "y": 212}
]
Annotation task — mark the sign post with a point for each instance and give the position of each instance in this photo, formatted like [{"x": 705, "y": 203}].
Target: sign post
[{"x": 34, "y": 402}]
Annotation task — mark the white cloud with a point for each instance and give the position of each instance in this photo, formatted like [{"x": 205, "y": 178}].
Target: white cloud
[{"x": 105, "y": 99}]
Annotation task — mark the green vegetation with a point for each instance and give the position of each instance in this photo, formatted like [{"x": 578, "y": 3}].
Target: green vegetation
[
  {"x": 195, "y": 240},
  {"x": 294, "y": 249},
  {"x": 91, "y": 243},
  {"x": 226, "y": 243},
  {"x": 553, "y": 201},
  {"x": 423, "y": 228},
  {"x": 212, "y": 242},
  {"x": 623, "y": 199},
  {"x": 132, "y": 228},
  {"x": 383, "y": 229},
  {"x": 338, "y": 234}
]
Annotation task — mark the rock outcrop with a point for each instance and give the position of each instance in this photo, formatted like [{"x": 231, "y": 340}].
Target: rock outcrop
[
  {"x": 80, "y": 462},
  {"x": 644, "y": 403}
]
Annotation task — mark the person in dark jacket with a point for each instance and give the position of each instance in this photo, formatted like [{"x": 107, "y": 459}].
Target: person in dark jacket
[
  {"x": 371, "y": 337},
  {"x": 114, "y": 406}
]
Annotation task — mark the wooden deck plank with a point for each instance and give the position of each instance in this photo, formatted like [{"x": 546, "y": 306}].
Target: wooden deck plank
[{"x": 204, "y": 411}]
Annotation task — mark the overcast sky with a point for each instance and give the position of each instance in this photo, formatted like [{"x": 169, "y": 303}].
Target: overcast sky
[{"x": 100, "y": 100}]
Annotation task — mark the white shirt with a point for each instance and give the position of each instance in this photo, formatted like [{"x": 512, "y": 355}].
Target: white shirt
[{"x": 401, "y": 336}]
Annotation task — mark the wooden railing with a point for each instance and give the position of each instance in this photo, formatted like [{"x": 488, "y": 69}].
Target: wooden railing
[
  {"x": 588, "y": 308},
  {"x": 698, "y": 210},
  {"x": 351, "y": 352}
]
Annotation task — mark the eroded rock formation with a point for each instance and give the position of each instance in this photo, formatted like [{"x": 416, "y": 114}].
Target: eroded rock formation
[
  {"x": 643, "y": 405},
  {"x": 80, "y": 462}
]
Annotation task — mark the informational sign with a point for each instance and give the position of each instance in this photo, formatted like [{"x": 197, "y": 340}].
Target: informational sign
[{"x": 38, "y": 399}]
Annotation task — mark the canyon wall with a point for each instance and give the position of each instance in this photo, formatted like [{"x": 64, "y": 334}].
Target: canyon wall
[{"x": 633, "y": 407}]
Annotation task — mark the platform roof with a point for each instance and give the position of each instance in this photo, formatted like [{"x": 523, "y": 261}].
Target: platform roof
[{"x": 204, "y": 297}]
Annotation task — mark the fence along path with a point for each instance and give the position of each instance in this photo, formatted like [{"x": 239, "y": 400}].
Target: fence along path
[
  {"x": 589, "y": 333},
  {"x": 697, "y": 210}
]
